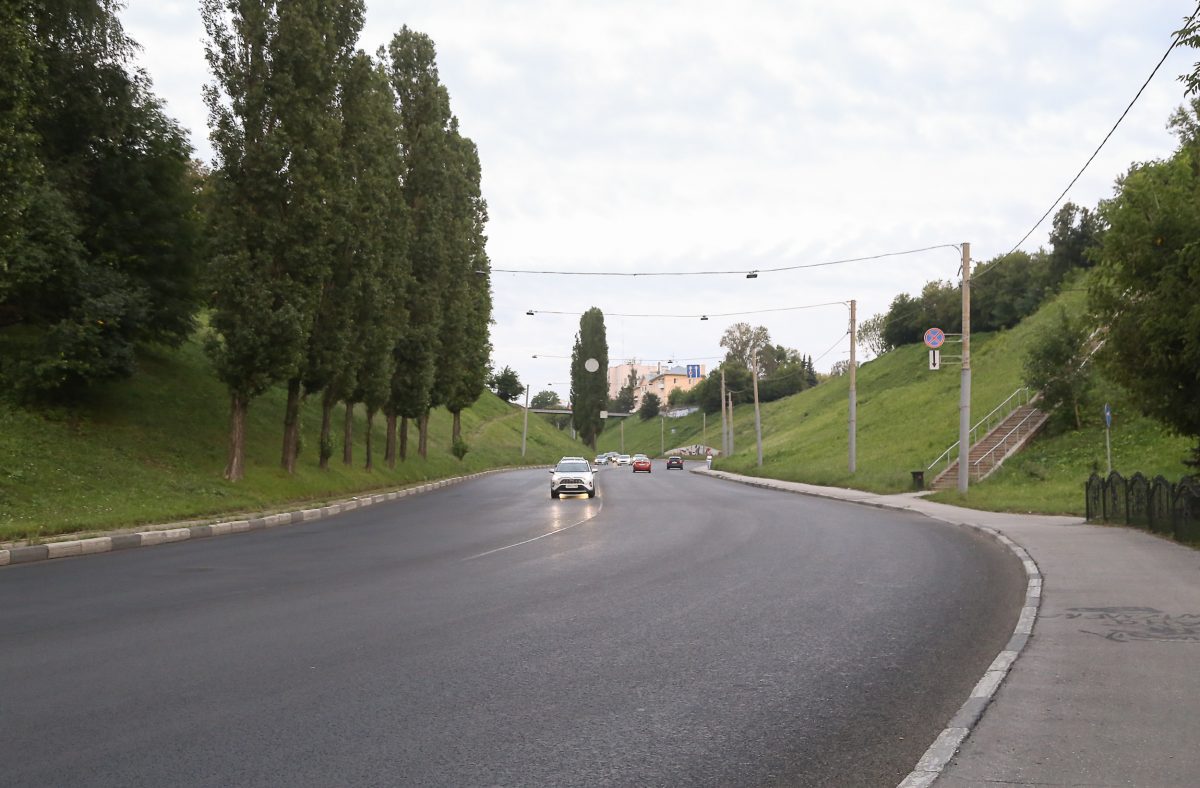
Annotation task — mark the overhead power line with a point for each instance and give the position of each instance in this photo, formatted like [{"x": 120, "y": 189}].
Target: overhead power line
[
  {"x": 703, "y": 316},
  {"x": 750, "y": 273},
  {"x": 1096, "y": 152}
]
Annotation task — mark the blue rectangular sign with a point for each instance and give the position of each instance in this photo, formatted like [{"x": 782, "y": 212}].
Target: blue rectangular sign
[{"x": 693, "y": 370}]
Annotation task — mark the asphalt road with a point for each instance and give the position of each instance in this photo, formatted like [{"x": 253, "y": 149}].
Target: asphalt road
[{"x": 675, "y": 630}]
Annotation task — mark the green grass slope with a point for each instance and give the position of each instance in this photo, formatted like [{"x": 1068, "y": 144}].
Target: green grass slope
[
  {"x": 908, "y": 415},
  {"x": 152, "y": 449}
]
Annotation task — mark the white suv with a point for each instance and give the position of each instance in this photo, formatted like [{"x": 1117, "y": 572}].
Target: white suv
[{"x": 572, "y": 475}]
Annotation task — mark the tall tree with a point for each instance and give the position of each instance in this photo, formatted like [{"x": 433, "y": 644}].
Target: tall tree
[
  {"x": 650, "y": 406},
  {"x": 741, "y": 340},
  {"x": 1148, "y": 294},
  {"x": 589, "y": 387},
  {"x": 374, "y": 248},
  {"x": 424, "y": 108},
  {"x": 20, "y": 170},
  {"x": 467, "y": 306},
  {"x": 625, "y": 397},
  {"x": 1073, "y": 236},
  {"x": 870, "y": 335},
  {"x": 507, "y": 384},
  {"x": 1057, "y": 366},
  {"x": 275, "y": 134},
  {"x": 103, "y": 201}
]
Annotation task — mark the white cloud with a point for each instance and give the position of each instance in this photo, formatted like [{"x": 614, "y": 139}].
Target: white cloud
[{"x": 634, "y": 136}]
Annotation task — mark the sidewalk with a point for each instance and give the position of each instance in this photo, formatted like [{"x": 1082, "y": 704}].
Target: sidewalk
[{"x": 1106, "y": 691}]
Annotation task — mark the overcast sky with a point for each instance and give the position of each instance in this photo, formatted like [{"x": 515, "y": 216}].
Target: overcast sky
[{"x": 682, "y": 136}]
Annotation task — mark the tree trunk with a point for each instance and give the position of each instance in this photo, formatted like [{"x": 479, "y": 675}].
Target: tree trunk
[
  {"x": 423, "y": 432},
  {"x": 369, "y": 465},
  {"x": 456, "y": 431},
  {"x": 348, "y": 435},
  {"x": 291, "y": 426},
  {"x": 235, "y": 468},
  {"x": 403, "y": 438},
  {"x": 389, "y": 451},
  {"x": 326, "y": 448}
]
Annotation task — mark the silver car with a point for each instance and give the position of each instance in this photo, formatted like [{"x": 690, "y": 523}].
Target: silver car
[{"x": 573, "y": 476}]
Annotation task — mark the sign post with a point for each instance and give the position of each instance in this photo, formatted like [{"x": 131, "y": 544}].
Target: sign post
[
  {"x": 934, "y": 339},
  {"x": 1108, "y": 434}
]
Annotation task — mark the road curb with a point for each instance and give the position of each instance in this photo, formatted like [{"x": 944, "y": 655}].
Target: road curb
[
  {"x": 944, "y": 747},
  {"x": 168, "y": 535}
]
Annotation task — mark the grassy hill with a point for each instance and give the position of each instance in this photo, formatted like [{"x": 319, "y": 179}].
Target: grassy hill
[
  {"x": 908, "y": 415},
  {"x": 152, "y": 449}
]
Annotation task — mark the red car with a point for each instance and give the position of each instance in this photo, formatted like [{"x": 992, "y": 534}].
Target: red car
[{"x": 641, "y": 464}]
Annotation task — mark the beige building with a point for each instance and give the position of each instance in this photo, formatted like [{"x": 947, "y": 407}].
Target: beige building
[
  {"x": 618, "y": 376},
  {"x": 663, "y": 382},
  {"x": 658, "y": 378}
]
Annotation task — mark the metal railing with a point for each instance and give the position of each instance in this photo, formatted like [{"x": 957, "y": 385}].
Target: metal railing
[
  {"x": 1022, "y": 396},
  {"x": 1157, "y": 505},
  {"x": 1015, "y": 432}
]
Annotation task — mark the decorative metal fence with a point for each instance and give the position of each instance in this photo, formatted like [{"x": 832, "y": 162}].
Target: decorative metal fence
[{"x": 1157, "y": 505}]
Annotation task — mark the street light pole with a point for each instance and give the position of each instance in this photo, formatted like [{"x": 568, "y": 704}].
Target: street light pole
[
  {"x": 525, "y": 428},
  {"x": 724, "y": 429},
  {"x": 853, "y": 392},
  {"x": 964, "y": 396},
  {"x": 757, "y": 416}
]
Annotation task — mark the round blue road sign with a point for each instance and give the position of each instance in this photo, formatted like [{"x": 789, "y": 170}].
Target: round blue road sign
[{"x": 935, "y": 337}]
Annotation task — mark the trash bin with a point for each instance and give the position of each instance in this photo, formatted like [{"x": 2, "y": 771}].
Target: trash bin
[{"x": 918, "y": 480}]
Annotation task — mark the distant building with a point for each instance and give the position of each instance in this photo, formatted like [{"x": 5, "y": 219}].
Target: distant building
[
  {"x": 618, "y": 376},
  {"x": 658, "y": 378},
  {"x": 664, "y": 382}
]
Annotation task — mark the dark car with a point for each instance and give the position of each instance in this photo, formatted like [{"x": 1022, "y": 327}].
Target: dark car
[{"x": 674, "y": 462}]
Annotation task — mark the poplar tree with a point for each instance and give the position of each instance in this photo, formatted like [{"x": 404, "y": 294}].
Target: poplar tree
[
  {"x": 589, "y": 389},
  {"x": 424, "y": 109},
  {"x": 350, "y": 358},
  {"x": 467, "y": 306},
  {"x": 274, "y": 130}
]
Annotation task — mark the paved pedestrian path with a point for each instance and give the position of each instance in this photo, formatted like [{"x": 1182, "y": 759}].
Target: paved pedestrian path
[{"x": 1107, "y": 690}]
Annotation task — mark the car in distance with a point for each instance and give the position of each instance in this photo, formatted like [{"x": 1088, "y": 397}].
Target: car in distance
[
  {"x": 641, "y": 463},
  {"x": 623, "y": 459},
  {"x": 572, "y": 476},
  {"x": 674, "y": 461},
  {"x": 601, "y": 459}
]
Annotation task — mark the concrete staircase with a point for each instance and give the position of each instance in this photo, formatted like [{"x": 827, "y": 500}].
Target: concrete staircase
[{"x": 1008, "y": 437}]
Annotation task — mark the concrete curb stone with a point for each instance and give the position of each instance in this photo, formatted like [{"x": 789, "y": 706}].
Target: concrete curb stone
[{"x": 155, "y": 536}]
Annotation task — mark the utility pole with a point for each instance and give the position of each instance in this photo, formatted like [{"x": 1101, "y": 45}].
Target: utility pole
[
  {"x": 623, "y": 435},
  {"x": 853, "y": 392},
  {"x": 757, "y": 416},
  {"x": 731, "y": 423},
  {"x": 724, "y": 429},
  {"x": 703, "y": 428},
  {"x": 525, "y": 428},
  {"x": 662, "y": 436},
  {"x": 964, "y": 396}
]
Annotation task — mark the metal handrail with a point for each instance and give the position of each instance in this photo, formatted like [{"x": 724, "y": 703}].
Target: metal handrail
[
  {"x": 1003, "y": 441},
  {"x": 1028, "y": 397}
]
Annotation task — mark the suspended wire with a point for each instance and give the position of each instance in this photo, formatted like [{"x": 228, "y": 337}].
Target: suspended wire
[
  {"x": 697, "y": 316},
  {"x": 1138, "y": 95},
  {"x": 749, "y": 272},
  {"x": 831, "y": 347}
]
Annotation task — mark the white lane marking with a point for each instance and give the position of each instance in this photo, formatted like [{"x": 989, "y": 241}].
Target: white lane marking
[{"x": 543, "y": 536}]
